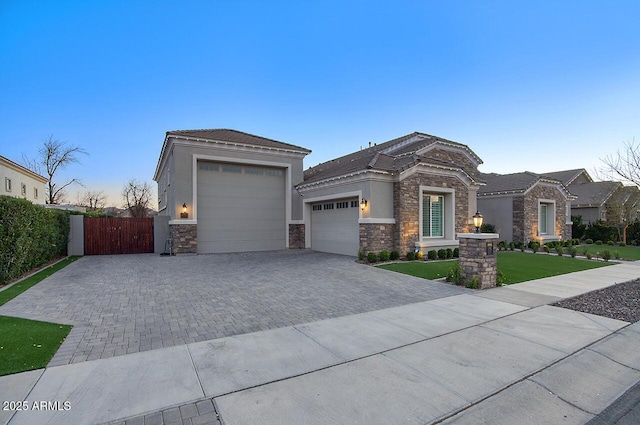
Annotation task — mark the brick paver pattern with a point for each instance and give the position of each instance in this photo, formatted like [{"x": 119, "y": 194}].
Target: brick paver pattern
[{"x": 131, "y": 303}]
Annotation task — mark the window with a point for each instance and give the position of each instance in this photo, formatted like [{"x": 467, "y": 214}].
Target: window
[
  {"x": 23, "y": 189},
  {"x": 7, "y": 184},
  {"x": 543, "y": 219},
  {"x": 433, "y": 216},
  {"x": 546, "y": 217},
  {"x": 342, "y": 204},
  {"x": 328, "y": 206},
  {"x": 35, "y": 192},
  {"x": 273, "y": 172},
  {"x": 208, "y": 167},
  {"x": 232, "y": 168},
  {"x": 317, "y": 207},
  {"x": 253, "y": 170},
  {"x": 354, "y": 204}
]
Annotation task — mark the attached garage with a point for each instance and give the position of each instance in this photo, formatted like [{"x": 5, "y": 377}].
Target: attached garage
[
  {"x": 334, "y": 226},
  {"x": 240, "y": 207}
]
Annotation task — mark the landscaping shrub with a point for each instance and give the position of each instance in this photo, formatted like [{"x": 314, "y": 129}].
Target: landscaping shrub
[
  {"x": 394, "y": 255},
  {"x": 622, "y": 244},
  {"x": 456, "y": 252},
  {"x": 442, "y": 254},
  {"x": 502, "y": 245},
  {"x": 454, "y": 275},
  {"x": 577, "y": 228},
  {"x": 606, "y": 255},
  {"x": 601, "y": 231},
  {"x": 588, "y": 255},
  {"x": 487, "y": 228},
  {"x": 449, "y": 253},
  {"x": 512, "y": 246},
  {"x": 598, "y": 242},
  {"x": 535, "y": 246},
  {"x": 589, "y": 241},
  {"x": 372, "y": 257},
  {"x": 559, "y": 251},
  {"x": 575, "y": 241},
  {"x": 473, "y": 283},
  {"x": 573, "y": 252},
  {"x": 361, "y": 255},
  {"x": 419, "y": 255},
  {"x": 616, "y": 255},
  {"x": 611, "y": 243},
  {"x": 30, "y": 235},
  {"x": 432, "y": 255},
  {"x": 411, "y": 256},
  {"x": 501, "y": 279},
  {"x": 546, "y": 248},
  {"x": 384, "y": 255}
]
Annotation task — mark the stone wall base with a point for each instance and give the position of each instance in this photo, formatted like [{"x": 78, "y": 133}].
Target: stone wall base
[
  {"x": 375, "y": 237},
  {"x": 184, "y": 238},
  {"x": 478, "y": 258},
  {"x": 296, "y": 236}
]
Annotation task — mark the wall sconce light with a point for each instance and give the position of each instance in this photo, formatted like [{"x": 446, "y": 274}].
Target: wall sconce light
[
  {"x": 363, "y": 204},
  {"x": 477, "y": 221},
  {"x": 184, "y": 213}
]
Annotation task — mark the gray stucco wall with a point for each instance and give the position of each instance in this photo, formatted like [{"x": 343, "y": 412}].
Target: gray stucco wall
[
  {"x": 160, "y": 233},
  {"x": 499, "y": 212},
  {"x": 589, "y": 215},
  {"x": 76, "y": 235}
]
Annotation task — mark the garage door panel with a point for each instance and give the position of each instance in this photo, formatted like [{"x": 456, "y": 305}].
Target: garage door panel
[
  {"x": 240, "y": 211},
  {"x": 336, "y": 230}
]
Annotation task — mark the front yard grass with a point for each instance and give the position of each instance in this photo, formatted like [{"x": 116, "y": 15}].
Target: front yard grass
[
  {"x": 28, "y": 344},
  {"x": 515, "y": 266},
  {"x": 626, "y": 252}
]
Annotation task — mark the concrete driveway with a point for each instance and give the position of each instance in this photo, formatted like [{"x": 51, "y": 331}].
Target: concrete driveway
[{"x": 132, "y": 303}]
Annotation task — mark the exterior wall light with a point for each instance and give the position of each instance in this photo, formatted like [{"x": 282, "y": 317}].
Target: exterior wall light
[
  {"x": 184, "y": 213},
  {"x": 363, "y": 204},
  {"x": 477, "y": 221}
]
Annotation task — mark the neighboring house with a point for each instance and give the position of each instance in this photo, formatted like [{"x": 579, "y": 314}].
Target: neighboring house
[
  {"x": 414, "y": 192},
  {"x": 21, "y": 182},
  {"x": 237, "y": 190},
  {"x": 526, "y": 206},
  {"x": 591, "y": 199},
  {"x": 623, "y": 205}
]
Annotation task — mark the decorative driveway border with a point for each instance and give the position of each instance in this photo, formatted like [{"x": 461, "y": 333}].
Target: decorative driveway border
[{"x": 132, "y": 303}]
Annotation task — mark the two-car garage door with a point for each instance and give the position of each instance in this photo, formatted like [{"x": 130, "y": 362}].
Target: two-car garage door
[
  {"x": 240, "y": 208},
  {"x": 334, "y": 226}
]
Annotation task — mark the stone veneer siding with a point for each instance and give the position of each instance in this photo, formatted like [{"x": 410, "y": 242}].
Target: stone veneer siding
[
  {"x": 377, "y": 237},
  {"x": 518, "y": 220},
  {"x": 530, "y": 223},
  {"x": 296, "y": 236},
  {"x": 184, "y": 238},
  {"x": 406, "y": 199}
]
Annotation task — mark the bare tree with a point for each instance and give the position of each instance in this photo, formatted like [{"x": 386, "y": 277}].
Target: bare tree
[
  {"x": 137, "y": 196},
  {"x": 625, "y": 163},
  {"x": 53, "y": 156},
  {"x": 93, "y": 200}
]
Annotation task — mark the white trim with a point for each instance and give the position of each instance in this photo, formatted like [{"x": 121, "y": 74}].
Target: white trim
[
  {"x": 182, "y": 221},
  {"x": 437, "y": 243},
  {"x": 439, "y": 171},
  {"x": 306, "y": 210},
  {"x": 287, "y": 179},
  {"x": 547, "y": 202},
  {"x": 449, "y": 216},
  {"x": 478, "y": 236},
  {"x": 377, "y": 221},
  {"x": 353, "y": 177}
]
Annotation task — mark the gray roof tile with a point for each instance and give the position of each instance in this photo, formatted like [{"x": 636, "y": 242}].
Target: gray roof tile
[{"x": 234, "y": 136}]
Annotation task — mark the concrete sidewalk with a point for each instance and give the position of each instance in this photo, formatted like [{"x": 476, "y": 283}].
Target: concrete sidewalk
[{"x": 496, "y": 356}]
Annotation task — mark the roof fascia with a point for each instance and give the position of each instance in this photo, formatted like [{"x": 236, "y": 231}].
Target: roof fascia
[
  {"x": 452, "y": 147},
  {"x": 19, "y": 168},
  {"x": 353, "y": 177}
]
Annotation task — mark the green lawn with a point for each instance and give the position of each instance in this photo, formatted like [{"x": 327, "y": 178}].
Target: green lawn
[
  {"x": 18, "y": 288},
  {"x": 626, "y": 252},
  {"x": 28, "y": 344},
  {"x": 515, "y": 266}
]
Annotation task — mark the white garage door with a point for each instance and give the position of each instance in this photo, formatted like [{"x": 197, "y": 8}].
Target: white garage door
[
  {"x": 334, "y": 227},
  {"x": 240, "y": 208}
]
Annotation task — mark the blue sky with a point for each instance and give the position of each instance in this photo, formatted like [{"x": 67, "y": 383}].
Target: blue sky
[{"x": 538, "y": 86}]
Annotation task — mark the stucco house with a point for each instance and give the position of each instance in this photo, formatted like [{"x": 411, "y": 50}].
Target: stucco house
[
  {"x": 228, "y": 191},
  {"x": 20, "y": 182},
  {"x": 526, "y": 206}
]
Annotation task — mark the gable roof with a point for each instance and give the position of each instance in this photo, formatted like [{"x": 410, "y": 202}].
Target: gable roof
[
  {"x": 19, "y": 168},
  {"x": 568, "y": 176},
  {"x": 514, "y": 183},
  {"x": 390, "y": 157},
  {"x": 233, "y": 136},
  {"x": 593, "y": 194}
]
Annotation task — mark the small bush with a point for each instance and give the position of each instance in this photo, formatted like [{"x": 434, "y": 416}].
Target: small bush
[
  {"x": 606, "y": 255},
  {"x": 502, "y": 245},
  {"x": 535, "y": 246},
  {"x": 419, "y": 255},
  {"x": 611, "y": 243},
  {"x": 432, "y": 255},
  {"x": 454, "y": 275},
  {"x": 456, "y": 252},
  {"x": 512, "y": 246},
  {"x": 588, "y": 255},
  {"x": 520, "y": 246},
  {"x": 622, "y": 244},
  {"x": 573, "y": 252},
  {"x": 546, "y": 248},
  {"x": 589, "y": 241},
  {"x": 411, "y": 255},
  {"x": 384, "y": 255},
  {"x": 394, "y": 255},
  {"x": 598, "y": 242},
  {"x": 559, "y": 251},
  {"x": 442, "y": 254},
  {"x": 473, "y": 283},
  {"x": 616, "y": 255},
  {"x": 575, "y": 241},
  {"x": 372, "y": 257},
  {"x": 487, "y": 228},
  {"x": 501, "y": 279},
  {"x": 449, "y": 253},
  {"x": 361, "y": 255}
]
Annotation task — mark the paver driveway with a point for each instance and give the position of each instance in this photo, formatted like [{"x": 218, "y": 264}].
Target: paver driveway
[{"x": 130, "y": 303}]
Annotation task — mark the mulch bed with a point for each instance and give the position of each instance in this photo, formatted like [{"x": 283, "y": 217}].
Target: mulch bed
[{"x": 621, "y": 301}]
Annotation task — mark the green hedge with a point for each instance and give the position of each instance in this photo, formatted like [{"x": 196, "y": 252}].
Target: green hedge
[{"x": 30, "y": 235}]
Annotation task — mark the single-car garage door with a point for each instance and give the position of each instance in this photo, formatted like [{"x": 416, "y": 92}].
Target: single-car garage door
[
  {"x": 240, "y": 208},
  {"x": 334, "y": 227}
]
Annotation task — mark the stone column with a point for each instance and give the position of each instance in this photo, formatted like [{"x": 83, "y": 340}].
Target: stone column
[
  {"x": 184, "y": 238},
  {"x": 478, "y": 258}
]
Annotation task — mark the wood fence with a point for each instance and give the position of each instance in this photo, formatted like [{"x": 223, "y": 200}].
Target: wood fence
[{"x": 110, "y": 235}]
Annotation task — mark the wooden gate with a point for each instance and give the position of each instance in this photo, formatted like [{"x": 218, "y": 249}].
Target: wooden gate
[{"x": 110, "y": 235}]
